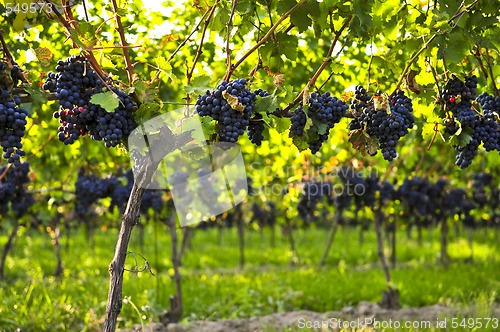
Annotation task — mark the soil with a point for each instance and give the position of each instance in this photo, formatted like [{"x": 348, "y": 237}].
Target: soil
[{"x": 364, "y": 312}]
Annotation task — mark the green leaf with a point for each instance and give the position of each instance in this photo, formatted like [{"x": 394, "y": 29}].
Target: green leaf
[
  {"x": 457, "y": 47},
  {"x": 323, "y": 128},
  {"x": 337, "y": 68},
  {"x": 285, "y": 5},
  {"x": 266, "y": 104},
  {"x": 300, "y": 142},
  {"x": 362, "y": 142},
  {"x": 208, "y": 126},
  {"x": 362, "y": 9},
  {"x": 107, "y": 100},
  {"x": 281, "y": 124},
  {"x": 146, "y": 112},
  {"x": 199, "y": 85},
  {"x": 38, "y": 97},
  {"x": 462, "y": 137}
]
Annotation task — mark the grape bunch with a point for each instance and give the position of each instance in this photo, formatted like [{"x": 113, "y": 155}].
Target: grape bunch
[
  {"x": 256, "y": 130},
  {"x": 487, "y": 124},
  {"x": 313, "y": 192},
  {"x": 489, "y": 103},
  {"x": 386, "y": 119},
  {"x": 479, "y": 193},
  {"x": 324, "y": 110},
  {"x": 231, "y": 105},
  {"x": 74, "y": 84},
  {"x": 88, "y": 190},
  {"x": 13, "y": 194},
  {"x": 12, "y": 116},
  {"x": 458, "y": 97},
  {"x": 256, "y": 126}
]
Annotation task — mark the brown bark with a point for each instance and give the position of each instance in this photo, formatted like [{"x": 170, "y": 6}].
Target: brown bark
[{"x": 7, "y": 247}]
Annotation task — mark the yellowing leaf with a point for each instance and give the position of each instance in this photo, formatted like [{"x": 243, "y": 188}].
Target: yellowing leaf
[{"x": 233, "y": 101}]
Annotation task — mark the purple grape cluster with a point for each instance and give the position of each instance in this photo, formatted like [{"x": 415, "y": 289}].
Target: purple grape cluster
[
  {"x": 324, "y": 110},
  {"x": 458, "y": 97},
  {"x": 486, "y": 124},
  {"x": 256, "y": 130},
  {"x": 74, "y": 84},
  {"x": 386, "y": 125},
  {"x": 218, "y": 105},
  {"x": 88, "y": 190},
  {"x": 12, "y": 118},
  {"x": 13, "y": 194}
]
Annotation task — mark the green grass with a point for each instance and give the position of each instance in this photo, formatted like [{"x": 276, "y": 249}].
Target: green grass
[{"x": 215, "y": 288}]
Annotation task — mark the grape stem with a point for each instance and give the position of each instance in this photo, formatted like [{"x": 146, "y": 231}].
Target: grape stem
[
  {"x": 454, "y": 19},
  {"x": 324, "y": 64},
  {"x": 196, "y": 28},
  {"x": 490, "y": 70},
  {"x": 199, "y": 51},
  {"x": 10, "y": 58},
  {"x": 228, "y": 35},
  {"x": 128, "y": 64},
  {"x": 265, "y": 38}
]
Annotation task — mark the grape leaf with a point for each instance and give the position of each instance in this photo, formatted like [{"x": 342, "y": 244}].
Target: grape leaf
[
  {"x": 199, "y": 85},
  {"x": 233, "y": 101},
  {"x": 267, "y": 104},
  {"x": 362, "y": 142},
  {"x": 281, "y": 124},
  {"x": 146, "y": 112},
  {"x": 300, "y": 142},
  {"x": 44, "y": 55},
  {"x": 107, "y": 100},
  {"x": 323, "y": 128},
  {"x": 462, "y": 137}
]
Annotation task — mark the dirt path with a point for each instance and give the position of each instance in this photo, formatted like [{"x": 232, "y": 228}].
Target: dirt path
[{"x": 363, "y": 313}]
